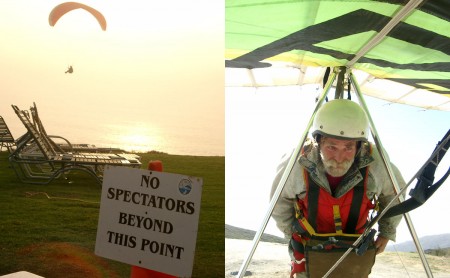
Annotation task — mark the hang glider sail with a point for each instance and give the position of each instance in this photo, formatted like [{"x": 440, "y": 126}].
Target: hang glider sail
[
  {"x": 398, "y": 50},
  {"x": 61, "y": 9}
]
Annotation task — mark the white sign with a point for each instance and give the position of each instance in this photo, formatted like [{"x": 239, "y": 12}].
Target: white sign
[{"x": 149, "y": 219}]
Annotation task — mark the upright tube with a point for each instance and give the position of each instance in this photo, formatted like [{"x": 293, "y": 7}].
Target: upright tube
[{"x": 388, "y": 166}]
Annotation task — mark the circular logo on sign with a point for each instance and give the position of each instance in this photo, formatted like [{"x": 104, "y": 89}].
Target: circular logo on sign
[{"x": 185, "y": 186}]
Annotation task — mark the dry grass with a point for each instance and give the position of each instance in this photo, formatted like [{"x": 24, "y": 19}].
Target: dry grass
[{"x": 68, "y": 258}]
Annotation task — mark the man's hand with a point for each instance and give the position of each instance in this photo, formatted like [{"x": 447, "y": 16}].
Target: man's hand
[{"x": 380, "y": 244}]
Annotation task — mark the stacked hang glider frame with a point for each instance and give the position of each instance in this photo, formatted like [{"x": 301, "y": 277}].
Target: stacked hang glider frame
[{"x": 341, "y": 71}]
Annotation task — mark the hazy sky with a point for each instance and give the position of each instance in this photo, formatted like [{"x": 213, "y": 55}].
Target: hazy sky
[{"x": 158, "y": 64}]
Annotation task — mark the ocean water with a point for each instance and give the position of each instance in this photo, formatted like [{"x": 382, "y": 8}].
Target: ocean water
[{"x": 127, "y": 130}]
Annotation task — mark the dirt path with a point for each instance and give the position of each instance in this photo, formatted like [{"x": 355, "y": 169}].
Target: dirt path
[{"x": 272, "y": 261}]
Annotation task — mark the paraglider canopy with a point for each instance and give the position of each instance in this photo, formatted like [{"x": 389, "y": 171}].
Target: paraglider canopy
[{"x": 66, "y": 7}]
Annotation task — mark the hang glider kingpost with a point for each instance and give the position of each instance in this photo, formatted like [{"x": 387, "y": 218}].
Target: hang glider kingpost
[{"x": 398, "y": 50}]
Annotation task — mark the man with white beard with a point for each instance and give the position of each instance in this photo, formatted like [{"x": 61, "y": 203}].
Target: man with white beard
[{"x": 334, "y": 185}]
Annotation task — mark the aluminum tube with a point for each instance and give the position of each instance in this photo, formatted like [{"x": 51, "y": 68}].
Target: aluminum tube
[
  {"x": 398, "y": 17},
  {"x": 388, "y": 166}
]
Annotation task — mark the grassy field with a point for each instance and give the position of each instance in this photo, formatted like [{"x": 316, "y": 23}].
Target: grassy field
[{"x": 56, "y": 237}]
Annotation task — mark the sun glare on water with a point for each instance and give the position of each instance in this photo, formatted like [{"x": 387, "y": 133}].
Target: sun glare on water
[
  {"x": 137, "y": 142},
  {"x": 136, "y": 138}
]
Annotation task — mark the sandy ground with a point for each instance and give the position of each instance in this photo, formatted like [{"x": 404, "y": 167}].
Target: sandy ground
[{"x": 272, "y": 260}]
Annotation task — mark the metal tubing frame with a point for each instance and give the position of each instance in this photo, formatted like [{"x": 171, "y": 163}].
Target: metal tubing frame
[
  {"x": 284, "y": 177},
  {"x": 397, "y": 189},
  {"x": 294, "y": 158},
  {"x": 388, "y": 166}
]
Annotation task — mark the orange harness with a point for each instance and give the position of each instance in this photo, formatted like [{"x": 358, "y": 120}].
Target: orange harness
[{"x": 321, "y": 216}]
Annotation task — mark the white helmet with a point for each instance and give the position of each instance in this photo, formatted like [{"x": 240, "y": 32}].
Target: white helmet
[{"x": 342, "y": 119}]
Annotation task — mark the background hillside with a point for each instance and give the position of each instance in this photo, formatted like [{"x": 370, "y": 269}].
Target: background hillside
[
  {"x": 429, "y": 243},
  {"x": 240, "y": 233}
]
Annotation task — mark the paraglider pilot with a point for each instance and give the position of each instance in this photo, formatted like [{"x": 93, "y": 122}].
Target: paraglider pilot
[
  {"x": 327, "y": 198},
  {"x": 69, "y": 70}
]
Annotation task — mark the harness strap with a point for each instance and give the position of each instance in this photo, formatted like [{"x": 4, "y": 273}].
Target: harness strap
[
  {"x": 298, "y": 244},
  {"x": 337, "y": 219},
  {"x": 313, "y": 203},
  {"x": 424, "y": 187},
  {"x": 355, "y": 207},
  {"x": 358, "y": 195}
]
